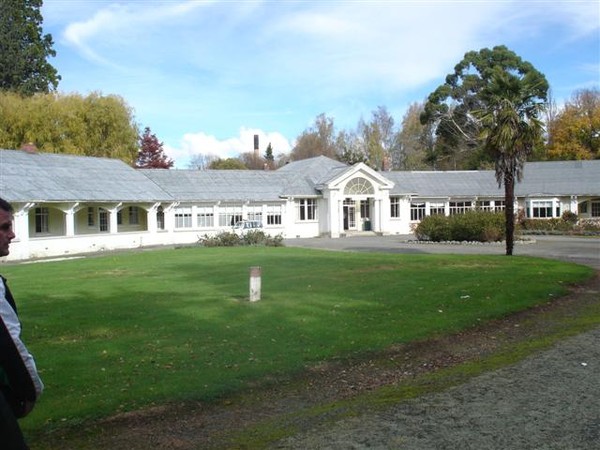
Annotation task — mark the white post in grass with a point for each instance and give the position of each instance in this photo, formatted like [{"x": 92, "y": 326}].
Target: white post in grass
[{"x": 255, "y": 281}]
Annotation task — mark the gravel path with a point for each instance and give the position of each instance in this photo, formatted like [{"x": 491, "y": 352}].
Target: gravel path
[{"x": 548, "y": 401}]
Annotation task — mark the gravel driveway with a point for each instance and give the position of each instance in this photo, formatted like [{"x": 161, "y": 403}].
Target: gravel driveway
[{"x": 547, "y": 401}]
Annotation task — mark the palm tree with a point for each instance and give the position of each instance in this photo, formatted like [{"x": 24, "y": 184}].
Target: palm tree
[{"x": 511, "y": 127}]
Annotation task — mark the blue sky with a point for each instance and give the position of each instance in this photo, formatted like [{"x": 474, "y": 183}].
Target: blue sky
[{"x": 206, "y": 76}]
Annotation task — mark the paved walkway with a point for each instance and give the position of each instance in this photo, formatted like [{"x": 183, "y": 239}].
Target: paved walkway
[{"x": 566, "y": 248}]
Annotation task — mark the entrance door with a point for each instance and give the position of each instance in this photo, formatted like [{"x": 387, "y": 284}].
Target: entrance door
[
  {"x": 349, "y": 214},
  {"x": 365, "y": 215}
]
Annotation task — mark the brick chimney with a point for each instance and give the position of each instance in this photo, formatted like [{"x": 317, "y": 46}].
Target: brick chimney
[{"x": 29, "y": 147}]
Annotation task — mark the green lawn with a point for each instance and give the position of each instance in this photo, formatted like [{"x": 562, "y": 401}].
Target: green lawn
[{"x": 124, "y": 331}]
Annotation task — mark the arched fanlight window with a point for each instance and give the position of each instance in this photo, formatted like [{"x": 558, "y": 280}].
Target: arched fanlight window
[{"x": 359, "y": 186}]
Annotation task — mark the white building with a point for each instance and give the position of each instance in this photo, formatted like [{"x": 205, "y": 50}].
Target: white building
[{"x": 66, "y": 204}]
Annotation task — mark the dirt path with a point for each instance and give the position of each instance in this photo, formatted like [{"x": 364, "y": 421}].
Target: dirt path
[{"x": 550, "y": 400}]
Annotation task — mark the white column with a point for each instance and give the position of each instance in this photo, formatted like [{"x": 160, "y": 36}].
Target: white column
[
  {"x": 113, "y": 224},
  {"x": 70, "y": 219},
  {"x": 151, "y": 218},
  {"x": 21, "y": 222}
]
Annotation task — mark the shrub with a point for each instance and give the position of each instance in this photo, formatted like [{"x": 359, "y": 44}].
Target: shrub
[
  {"x": 258, "y": 237},
  {"x": 224, "y": 239},
  {"x": 569, "y": 217},
  {"x": 434, "y": 228},
  {"x": 229, "y": 239},
  {"x": 481, "y": 226}
]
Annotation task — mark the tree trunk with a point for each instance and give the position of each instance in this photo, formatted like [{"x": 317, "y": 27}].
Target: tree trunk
[{"x": 509, "y": 211}]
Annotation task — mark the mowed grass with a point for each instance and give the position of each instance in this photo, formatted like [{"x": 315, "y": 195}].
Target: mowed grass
[{"x": 125, "y": 331}]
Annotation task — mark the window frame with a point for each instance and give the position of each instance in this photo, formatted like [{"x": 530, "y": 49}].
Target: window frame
[
  {"x": 42, "y": 220},
  {"x": 395, "y": 207},
  {"x": 306, "y": 210}
]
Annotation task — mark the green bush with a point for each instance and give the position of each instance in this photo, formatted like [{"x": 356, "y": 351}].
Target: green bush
[
  {"x": 229, "y": 239},
  {"x": 481, "y": 226},
  {"x": 258, "y": 237},
  {"x": 224, "y": 239},
  {"x": 569, "y": 217},
  {"x": 434, "y": 228}
]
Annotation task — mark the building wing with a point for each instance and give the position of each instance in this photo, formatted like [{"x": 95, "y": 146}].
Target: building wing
[{"x": 49, "y": 177}]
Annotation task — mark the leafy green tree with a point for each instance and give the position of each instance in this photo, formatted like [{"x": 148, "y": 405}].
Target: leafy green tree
[
  {"x": 494, "y": 99},
  {"x": 228, "y": 164},
  {"x": 151, "y": 154},
  {"x": 24, "y": 50},
  {"x": 94, "y": 125},
  {"x": 575, "y": 131}
]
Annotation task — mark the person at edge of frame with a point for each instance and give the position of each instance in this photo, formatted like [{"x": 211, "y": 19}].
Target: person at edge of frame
[{"x": 20, "y": 384}]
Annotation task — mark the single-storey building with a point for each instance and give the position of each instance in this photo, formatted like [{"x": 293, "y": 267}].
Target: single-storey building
[{"x": 67, "y": 204}]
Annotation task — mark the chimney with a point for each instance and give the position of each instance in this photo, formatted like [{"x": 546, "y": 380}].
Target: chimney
[
  {"x": 29, "y": 147},
  {"x": 256, "y": 155}
]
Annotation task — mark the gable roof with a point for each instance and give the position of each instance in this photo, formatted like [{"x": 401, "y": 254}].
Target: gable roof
[{"x": 49, "y": 177}]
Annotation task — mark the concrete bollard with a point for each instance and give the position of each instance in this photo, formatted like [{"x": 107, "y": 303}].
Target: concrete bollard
[{"x": 255, "y": 282}]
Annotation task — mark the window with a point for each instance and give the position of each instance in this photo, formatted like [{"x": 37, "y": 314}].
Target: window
[
  {"x": 41, "y": 220},
  {"x": 596, "y": 208},
  {"x": 436, "y": 209},
  {"x": 459, "y": 207},
  {"x": 254, "y": 212},
  {"x": 417, "y": 211},
  {"x": 582, "y": 208},
  {"x": 358, "y": 186},
  {"x": 274, "y": 215},
  {"x": 134, "y": 215},
  {"x": 120, "y": 217},
  {"x": 160, "y": 218},
  {"x": 91, "y": 216},
  {"x": 490, "y": 205},
  {"x": 206, "y": 217},
  {"x": 395, "y": 207},
  {"x": 484, "y": 205},
  {"x": 103, "y": 219},
  {"x": 307, "y": 209},
  {"x": 229, "y": 215},
  {"x": 183, "y": 217},
  {"x": 541, "y": 209}
]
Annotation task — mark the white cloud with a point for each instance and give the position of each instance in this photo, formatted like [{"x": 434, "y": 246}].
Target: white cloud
[
  {"x": 200, "y": 143},
  {"x": 120, "y": 25}
]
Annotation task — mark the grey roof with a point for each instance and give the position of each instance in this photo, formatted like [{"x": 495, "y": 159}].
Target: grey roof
[
  {"x": 560, "y": 178},
  {"x": 298, "y": 178},
  {"x": 46, "y": 177},
  {"x": 307, "y": 174},
  {"x": 445, "y": 184},
  {"x": 557, "y": 178},
  {"x": 224, "y": 185},
  {"x": 49, "y": 177}
]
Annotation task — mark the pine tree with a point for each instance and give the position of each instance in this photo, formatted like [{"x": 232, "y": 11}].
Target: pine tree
[{"x": 24, "y": 50}]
